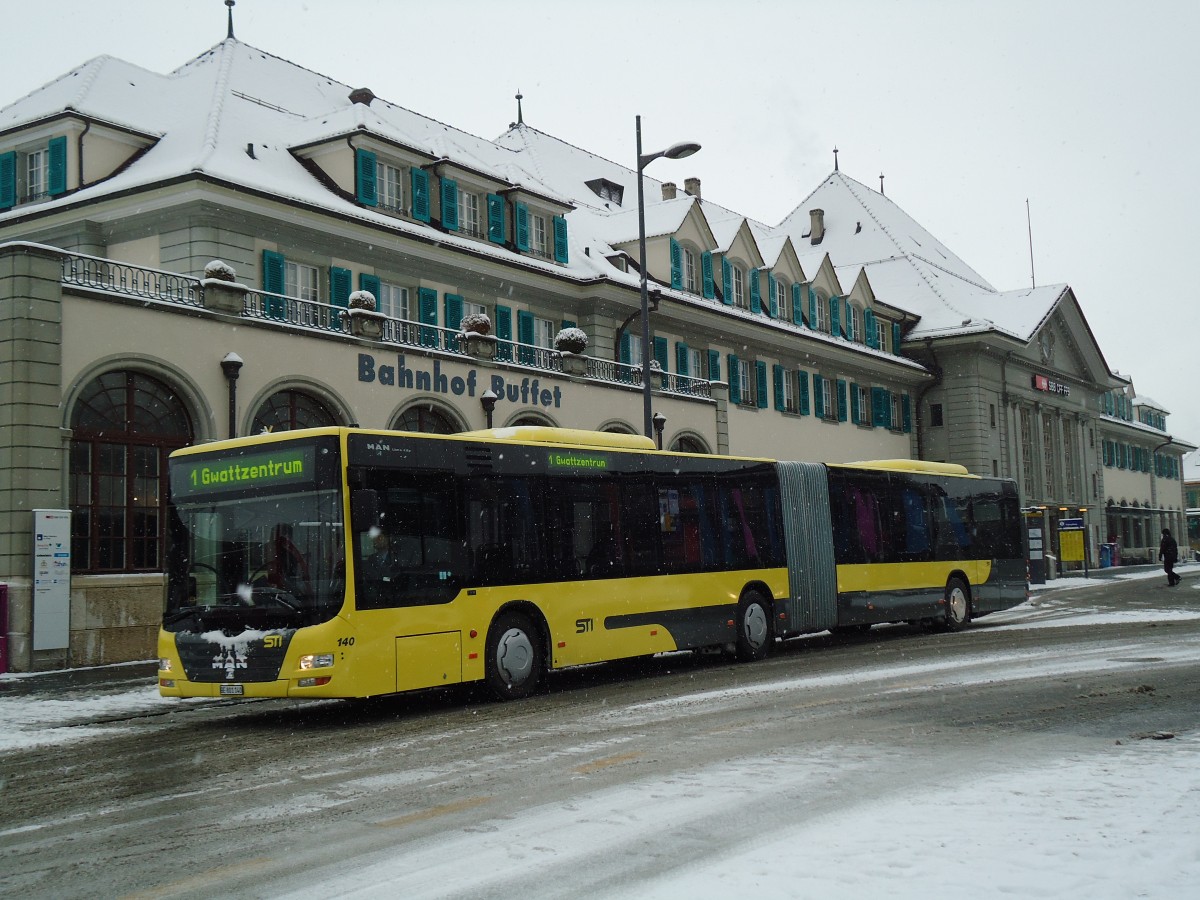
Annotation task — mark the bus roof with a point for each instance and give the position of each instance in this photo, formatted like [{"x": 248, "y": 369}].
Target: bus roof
[
  {"x": 544, "y": 434},
  {"x": 917, "y": 466}
]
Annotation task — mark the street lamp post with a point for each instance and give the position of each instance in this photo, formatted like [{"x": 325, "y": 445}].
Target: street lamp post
[{"x": 675, "y": 151}]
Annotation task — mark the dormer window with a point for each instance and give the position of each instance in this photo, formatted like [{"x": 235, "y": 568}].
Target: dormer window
[
  {"x": 389, "y": 186},
  {"x": 608, "y": 191},
  {"x": 468, "y": 213},
  {"x": 34, "y": 173},
  {"x": 691, "y": 283}
]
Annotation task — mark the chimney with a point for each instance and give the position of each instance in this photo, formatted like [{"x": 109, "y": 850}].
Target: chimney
[
  {"x": 362, "y": 95},
  {"x": 817, "y": 230},
  {"x": 692, "y": 186},
  {"x": 669, "y": 190}
]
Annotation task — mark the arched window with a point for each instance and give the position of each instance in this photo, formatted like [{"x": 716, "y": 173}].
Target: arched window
[
  {"x": 686, "y": 443},
  {"x": 289, "y": 410},
  {"x": 531, "y": 419},
  {"x": 124, "y": 426},
  {"x": 617, "y": 428},
  {"x": 426, "y": 419}
]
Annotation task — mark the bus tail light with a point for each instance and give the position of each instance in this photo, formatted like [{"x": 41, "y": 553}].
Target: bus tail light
[
  {"x": 166, "y": 682},
  {"x": 316, "y": 661}
]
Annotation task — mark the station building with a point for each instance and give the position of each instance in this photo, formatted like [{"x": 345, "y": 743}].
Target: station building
[{"x": 845, "y": 332}]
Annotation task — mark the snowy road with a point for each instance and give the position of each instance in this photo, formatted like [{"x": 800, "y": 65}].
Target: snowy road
[{"x": 1027, "y": 756}]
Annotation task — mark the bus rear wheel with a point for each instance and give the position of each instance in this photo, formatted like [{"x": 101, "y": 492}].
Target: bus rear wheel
[
  {"x": 753, "y": 627},
  {"x": 514, "y": 662},
  {"x": 958, "y": 605}
]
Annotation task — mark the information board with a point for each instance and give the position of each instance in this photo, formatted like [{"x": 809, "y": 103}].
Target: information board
[{"x": 51, "y": 579}]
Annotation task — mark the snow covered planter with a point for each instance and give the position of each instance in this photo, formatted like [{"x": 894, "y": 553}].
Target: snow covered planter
[
  {"x": 475, "y": 338},
  {"x": 221, "y": 290},
  {"x": 570, "y": 344},
  {"x": 364, "y": 321}
]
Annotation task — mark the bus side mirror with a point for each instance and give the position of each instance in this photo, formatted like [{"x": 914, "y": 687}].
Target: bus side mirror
[{"x": 364, "y": 508}]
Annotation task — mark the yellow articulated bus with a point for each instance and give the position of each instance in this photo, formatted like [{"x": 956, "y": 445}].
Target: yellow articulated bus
[{"x": 342, "y": 562}]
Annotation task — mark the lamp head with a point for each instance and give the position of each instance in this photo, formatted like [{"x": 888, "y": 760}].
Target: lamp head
[{"x": 680, "y": 150}]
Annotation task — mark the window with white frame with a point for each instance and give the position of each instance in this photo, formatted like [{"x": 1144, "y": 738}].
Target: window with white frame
[
  {"x": 788, "y": 383},
  {"x": 537, "y": 235},
  {"x": 635, "y": 348},
  {"x": 855, "y": 325},
  {"x": 473, "y": 309},
  {"x": 695, "y": 361},
  {"x": 822, "y": 323},
  {"x": 690, "y": 284},
  {"x": 301, "y": 281},
  {"x": 897, "y": 416},
  {"x": 543, "y": 333},
  {"x": 747, "y": 381},
  {"x": 863, "y": 402},
  {"x": 468, "y": 213},
  {"x": 393, "y": 301},
  {"x": 829, "y": 398},
  {"x": 389, "y": 187},
  {"x": 883, "y": 334},
  {"x": 738, "y": 278},
  {"x": 783, "y": 299},
  {"x": 36, "y": 168}
]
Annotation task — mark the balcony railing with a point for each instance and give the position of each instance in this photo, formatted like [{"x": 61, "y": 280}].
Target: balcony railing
[
  {"x": 130, "y": 281},
  {"x": 169, "y": 287}
]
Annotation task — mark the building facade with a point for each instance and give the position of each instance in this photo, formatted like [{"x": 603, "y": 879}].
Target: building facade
[{"x": 121, "y": 342}]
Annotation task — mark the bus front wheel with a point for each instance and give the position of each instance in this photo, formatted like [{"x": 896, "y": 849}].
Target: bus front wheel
[
  {"x": 958, "y": 604},
  {"x": 514, "y": 659},
  {"x": 753, "y": 627}
]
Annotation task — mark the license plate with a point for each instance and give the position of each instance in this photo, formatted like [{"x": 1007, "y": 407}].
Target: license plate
[{"x": 232, "y": 690}]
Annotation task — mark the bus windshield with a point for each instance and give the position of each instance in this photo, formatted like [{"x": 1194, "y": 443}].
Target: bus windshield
[{"x": 254, "y": 558}]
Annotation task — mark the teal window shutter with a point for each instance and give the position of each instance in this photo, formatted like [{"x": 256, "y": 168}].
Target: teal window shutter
[
  {"x": 420, "y": 194},
  {"x": 797, "y": 303},
  {"x": 896, "y": 337},
  {"x": 880, "y": 407},
  {"x": 773, "y": 289},
  {"x": 777, "y": 374},
  {"x": 818, "y": 396},
  {"x": 735, "y": 380},
  {"x": 450, "y": 204},
  {"x": 521, "y": 226},
  {"x": 676, "y": 265},
  {"x": 855, "y": 411},
  {"x": 340, "y": 282},
  {"x": 755, "y": 291},
  {"x": 802, "y": 377},
  {"x": 681, "y": 358},
  {"x": 272, "y": 283},
  {"x": 726, "y": 282},
  {"x": 56, "y": 175},
  {"x": 714, "y": 365},
  {"x": 887, "y": 409},
  {"x": 8, "y": 180},
  {"x": 660, "y": 352},
  {"x": 497, "y": 233},
  {"x": 625, "y": 350},
  {"x": 872, "y": 328},
  {"x": 760, "y": 383},
  {"x": 843, "y": 411},
  {"x": 427, "y": 313},
  {"x": 906, "y": 413},
  {"x": 369, "y": 283},
  {"x": 364, "y": 178},
  {"x": 503, "y": 333},
  {"x": 835, "y": 319},
  {"x": 706, "y": 271},
  {"x": 567, "y": 323},
  {"x": 812, "y": 308},
  {"x": 453, "y": 304},
  {"x": 525, "y": 352},
  {"x": 847, "y": 319},
  {"x": 560, "y": 240}
]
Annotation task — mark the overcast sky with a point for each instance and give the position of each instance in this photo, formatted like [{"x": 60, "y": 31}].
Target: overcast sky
[{"x": 968, "y": 107}]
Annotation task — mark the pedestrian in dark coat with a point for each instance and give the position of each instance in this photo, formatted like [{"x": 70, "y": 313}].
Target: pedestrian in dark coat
[{"x": 1168, "y": 552}]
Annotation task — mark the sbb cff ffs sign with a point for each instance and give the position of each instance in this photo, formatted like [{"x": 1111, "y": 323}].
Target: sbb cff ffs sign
[{"x": 1048, "y": 385}]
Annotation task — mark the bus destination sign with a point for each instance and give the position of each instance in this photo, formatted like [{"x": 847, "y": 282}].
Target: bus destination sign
[{"x": 287, "y": 465}]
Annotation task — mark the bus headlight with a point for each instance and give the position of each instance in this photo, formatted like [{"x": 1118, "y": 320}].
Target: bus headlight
[
  {"x": 164, "y": 664},
  {"x": 316, "y": 661}
]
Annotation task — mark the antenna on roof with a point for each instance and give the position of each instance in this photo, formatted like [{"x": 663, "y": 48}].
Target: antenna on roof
[
  {"x": 835, "y": 162},
  {"x": 229, "y": 3},
  {"x": 520, "y": 116},
  {"x": 1029, "y": 225},
  {"x": 881, "y": 182}
]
